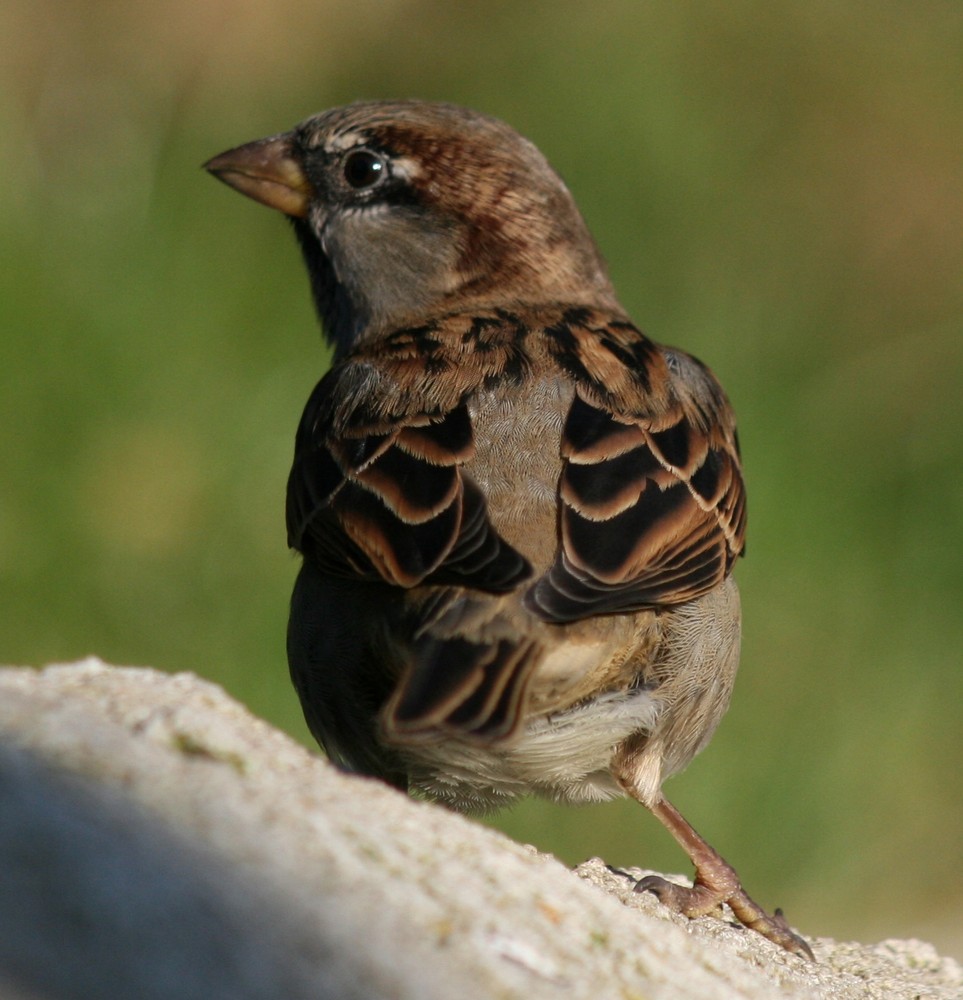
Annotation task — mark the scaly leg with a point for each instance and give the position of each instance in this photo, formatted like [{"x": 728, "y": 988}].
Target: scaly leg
[{"x": 715, "y": 882}]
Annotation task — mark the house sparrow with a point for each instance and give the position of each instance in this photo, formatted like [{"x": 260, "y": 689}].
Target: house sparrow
[{"x": 518, "y": 514}]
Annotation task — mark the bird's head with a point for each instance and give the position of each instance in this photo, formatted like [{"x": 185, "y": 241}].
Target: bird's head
[{"x": 407, "y": 209}]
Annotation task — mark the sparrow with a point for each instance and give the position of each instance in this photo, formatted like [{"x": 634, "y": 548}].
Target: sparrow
[{"x": 518, "y": 515}]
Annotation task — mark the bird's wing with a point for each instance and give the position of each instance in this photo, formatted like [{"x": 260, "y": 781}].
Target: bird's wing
[
  {"x": 377, "y": 489},
  {"x": 378, "y": 492},
  {"x": 651, "y": 498}
]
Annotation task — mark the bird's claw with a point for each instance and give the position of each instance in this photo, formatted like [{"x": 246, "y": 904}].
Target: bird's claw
[{"x": 701, "y": 901}]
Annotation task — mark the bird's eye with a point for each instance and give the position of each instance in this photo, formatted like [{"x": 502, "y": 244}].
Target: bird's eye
[{"x": 363, "y": 169}]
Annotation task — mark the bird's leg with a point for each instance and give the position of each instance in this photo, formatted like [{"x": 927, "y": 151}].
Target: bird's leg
[{"x": 715, "y": 882}]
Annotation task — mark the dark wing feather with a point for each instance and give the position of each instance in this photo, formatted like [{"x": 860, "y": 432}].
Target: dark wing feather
[
  {"x": 394, "y": 505},
  {"x": 652, "y": 503},
  {"x": 475, "y": 689}
]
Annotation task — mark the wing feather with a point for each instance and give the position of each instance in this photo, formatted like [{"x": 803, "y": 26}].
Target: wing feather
[{"x": 651, "y": 496}]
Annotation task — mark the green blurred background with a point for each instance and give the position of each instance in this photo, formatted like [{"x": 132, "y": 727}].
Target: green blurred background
[{"x": 779, "y": 189}]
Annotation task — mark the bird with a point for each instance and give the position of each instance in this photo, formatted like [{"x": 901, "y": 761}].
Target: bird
[{"x": 517, "y": 514}]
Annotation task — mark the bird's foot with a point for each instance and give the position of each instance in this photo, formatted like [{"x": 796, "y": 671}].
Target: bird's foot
[
  {"x": 699, "y": 901},
  {"x": 715, "y": 883},
  {"x": 708, "y": 894}
]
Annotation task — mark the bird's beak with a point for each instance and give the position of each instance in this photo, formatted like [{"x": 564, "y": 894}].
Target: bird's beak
[{"x": 266, "y": 171}]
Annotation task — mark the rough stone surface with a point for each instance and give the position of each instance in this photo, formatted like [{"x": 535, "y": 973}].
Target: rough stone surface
[{"x": 158, "y": 841}]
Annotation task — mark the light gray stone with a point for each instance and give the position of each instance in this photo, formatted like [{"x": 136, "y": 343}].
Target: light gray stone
[{"x": 158, "y": 841}]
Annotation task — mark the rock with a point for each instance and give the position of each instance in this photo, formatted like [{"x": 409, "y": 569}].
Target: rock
[{"x": 158, "y": 841}]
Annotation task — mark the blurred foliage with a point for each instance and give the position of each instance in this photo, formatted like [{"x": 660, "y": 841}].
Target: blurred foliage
[{"x": 779, "y": 189}]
